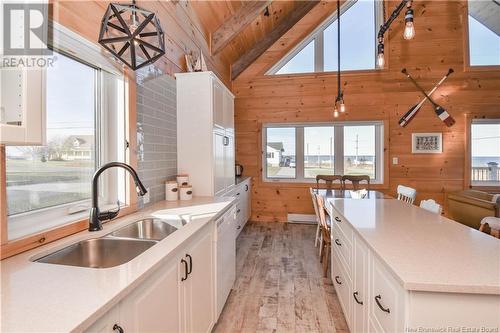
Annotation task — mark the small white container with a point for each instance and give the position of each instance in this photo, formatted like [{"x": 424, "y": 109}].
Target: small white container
[
  {"x": 186, "y": 192},
  {"x": 182, "y": 180},
  {"x": 171, "y": 191}
]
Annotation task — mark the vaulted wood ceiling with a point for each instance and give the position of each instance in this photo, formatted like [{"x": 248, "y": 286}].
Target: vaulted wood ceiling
[{"x": 213, "y": 14}]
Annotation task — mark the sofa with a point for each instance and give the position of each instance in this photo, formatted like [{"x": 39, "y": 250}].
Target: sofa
[{"x": 469, "y": 207}]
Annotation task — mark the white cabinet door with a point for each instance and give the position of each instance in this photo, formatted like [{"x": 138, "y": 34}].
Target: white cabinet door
[
  {"x": 217, "y": 104},
  {"x": 22, "y": 107},
  {"x": 360, "y": 287},
  {"x": 219, "y": 163},
  {"x": 198, "y": 288},
  {"x": 229, "y": 176},
  {"x": 228, "y": 112},
  {"x": 154, "y": 306},
  {"x": 107, "y": 322}
]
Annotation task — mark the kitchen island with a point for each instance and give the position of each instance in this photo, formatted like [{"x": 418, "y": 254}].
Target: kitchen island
[{"x": 397, "y": 267}]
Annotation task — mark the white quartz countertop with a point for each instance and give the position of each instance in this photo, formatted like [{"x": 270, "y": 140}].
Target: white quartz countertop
[
  {"x": 38, "y": 297},
  {"x": 425, "y": 251}
]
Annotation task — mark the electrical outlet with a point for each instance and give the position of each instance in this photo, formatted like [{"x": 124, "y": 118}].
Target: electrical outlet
[
  {"x": 145, "y": 198},
  {"x": 395, "y": 160}
]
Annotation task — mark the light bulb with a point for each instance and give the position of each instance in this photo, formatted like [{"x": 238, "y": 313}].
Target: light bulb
[
  {"x": 335, "y": 113},
  {"x": 342, "y": 107},
  {"x": 409, "y": 32},
  {"x": 380, "y": 60}
]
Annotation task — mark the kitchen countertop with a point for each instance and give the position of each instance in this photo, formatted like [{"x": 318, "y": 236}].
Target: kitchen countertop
[
  {"x": 425, "y": 251},
  {"x": 38, "y": 297},
  {"x": 241, "y": 179}
]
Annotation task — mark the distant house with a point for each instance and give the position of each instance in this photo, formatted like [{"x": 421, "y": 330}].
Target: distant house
[
  {"x": 274, "y": 153},
  {"x": 79, "y": 148}
]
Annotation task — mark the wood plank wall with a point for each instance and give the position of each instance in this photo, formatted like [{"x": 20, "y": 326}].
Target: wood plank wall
[
  {"x": 183, "y": 31},
  {"x": 440, "y": 43}
]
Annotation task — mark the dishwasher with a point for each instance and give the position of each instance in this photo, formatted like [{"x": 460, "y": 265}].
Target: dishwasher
[{"x": 226, "y": 256}]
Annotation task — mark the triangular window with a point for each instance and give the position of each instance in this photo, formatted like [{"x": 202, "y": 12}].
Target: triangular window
[
  {"x": 318, "y": 51},
  {"x": 484, "y": 33}
]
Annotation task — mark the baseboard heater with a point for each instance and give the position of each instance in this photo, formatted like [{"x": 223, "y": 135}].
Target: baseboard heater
[{"x": 302, "y": 218}]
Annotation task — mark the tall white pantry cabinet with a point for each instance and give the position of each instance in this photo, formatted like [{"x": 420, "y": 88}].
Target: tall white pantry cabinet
[{"x": 205, "y": 133}]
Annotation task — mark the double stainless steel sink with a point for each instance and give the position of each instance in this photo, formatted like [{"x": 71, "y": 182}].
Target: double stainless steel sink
[{"x": 113, "y": 249}]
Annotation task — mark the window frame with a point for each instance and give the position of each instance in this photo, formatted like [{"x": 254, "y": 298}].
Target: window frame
[
  {"x": 487, "y": 186},
  {"x": 338, "y": 149},
  {"x": 74, "y": 45},
  {"x": 317, "y": 36},
  {"x": 466, "y": 44}
]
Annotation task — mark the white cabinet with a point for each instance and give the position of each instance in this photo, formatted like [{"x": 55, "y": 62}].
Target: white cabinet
[
  {"x": 205, "y": 133},
  {"x": 198, "y": 286},
  {"x": 154, "y": 305},
  {"x": 22, "y": 106},
  {"x": 242, "y": 193},
  {"x": 178, "y": 297}
]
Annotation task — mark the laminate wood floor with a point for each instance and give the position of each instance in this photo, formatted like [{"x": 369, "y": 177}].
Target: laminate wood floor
[{"x": 279, "y": 284}]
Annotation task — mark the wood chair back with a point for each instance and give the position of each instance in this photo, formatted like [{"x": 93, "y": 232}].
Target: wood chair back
[
  {"x": 315, "y": 204},
  {"x": 407, "y": 194},
  {"x": 328, "y": 179},
  {"x": 322, "y": 215},
  {"x": 356, "y": 180},
  {"x": 431, "y": 206}
]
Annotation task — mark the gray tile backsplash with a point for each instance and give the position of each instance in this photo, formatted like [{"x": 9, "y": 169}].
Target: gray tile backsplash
[{"x": 156, "y": 131}]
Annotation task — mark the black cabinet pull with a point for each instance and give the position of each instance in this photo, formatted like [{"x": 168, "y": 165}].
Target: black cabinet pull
[
  {"x": 190, "y": 264},
  {"x": 355, "y": 295},
  {"x": 238, "y": 193},
  {"x": 246, "y": 188},
  {"x": 239, "y": 227},
  {"x": 338, "y": 242},
  {"x": 337, "y": 219},
  {"x": 377, "y": 300},
  {"x": 184, "y": 278},
  {"x": 239, "y": 210},
  {"x": 337, "y": 279},
  {"x": 117, "y": 328}
]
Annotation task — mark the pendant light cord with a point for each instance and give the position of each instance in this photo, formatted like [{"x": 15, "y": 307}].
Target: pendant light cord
[{"x": 339, "y": 93}]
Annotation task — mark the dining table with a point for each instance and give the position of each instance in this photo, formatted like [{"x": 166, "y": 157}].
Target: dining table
[{"x": 348, "y": 194}]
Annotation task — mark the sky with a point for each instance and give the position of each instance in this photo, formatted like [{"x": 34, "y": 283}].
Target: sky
[
  {"x": 485, "y": 140},
  {"x": 70, "y": 98}
]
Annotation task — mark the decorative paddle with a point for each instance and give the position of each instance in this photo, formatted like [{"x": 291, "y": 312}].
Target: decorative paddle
[
  {"x": 414, "y": 109},
  {"x": 440, "y": 111}
]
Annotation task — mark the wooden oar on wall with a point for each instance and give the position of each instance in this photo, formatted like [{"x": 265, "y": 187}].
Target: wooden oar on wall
[{"x": 414, "y": 109}]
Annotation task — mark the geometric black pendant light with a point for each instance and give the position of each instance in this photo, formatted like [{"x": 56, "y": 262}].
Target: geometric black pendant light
[{"x": 132, "y": 34}]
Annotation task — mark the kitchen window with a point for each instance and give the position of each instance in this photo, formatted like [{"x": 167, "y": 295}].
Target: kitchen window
[
  {"x": 484, "y": 33},
  {"x": 50, "y": 186},
  {"x": 485, "y": 152},
  {"x": 303, "y": 151}
]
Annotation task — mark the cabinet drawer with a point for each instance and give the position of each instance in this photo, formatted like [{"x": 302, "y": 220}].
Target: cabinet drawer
[
  {"x": 342, "y": 247},
  {"x": 387, "y": 299},
  {"x": 343, "y": 287},
  {"x": 341, "y": 223}
]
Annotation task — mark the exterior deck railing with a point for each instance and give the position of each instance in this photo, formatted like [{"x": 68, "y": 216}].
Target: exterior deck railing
[{"x": 485, "y": 174}]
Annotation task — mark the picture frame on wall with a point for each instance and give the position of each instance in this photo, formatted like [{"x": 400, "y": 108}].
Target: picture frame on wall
[{"x": 427, "y": 143}]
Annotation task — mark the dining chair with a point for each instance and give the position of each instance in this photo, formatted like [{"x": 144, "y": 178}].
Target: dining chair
[
  {"x": 406, "y": 194},
  {"x": 356, "y": 180},
  {"x": 326, "y": 247},
  {"x": 328, "y": 179},
  {"x": 318, "y": 238},
  {"x": 431, "y": 206},
  {"x": 493, "y": 223}
]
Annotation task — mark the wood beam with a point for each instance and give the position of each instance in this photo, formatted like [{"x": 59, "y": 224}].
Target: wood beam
[
  {"x": 487, "y": 13},
  {"x": 261, "y": 46},
  {"x": 228, "y": 30}
]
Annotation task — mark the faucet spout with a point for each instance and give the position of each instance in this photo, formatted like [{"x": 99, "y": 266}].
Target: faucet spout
[{"x": 96, "y": 217}]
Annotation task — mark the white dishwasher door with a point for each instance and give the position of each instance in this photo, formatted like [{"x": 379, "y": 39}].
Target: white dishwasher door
[{"x": 226, "y": 258}]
